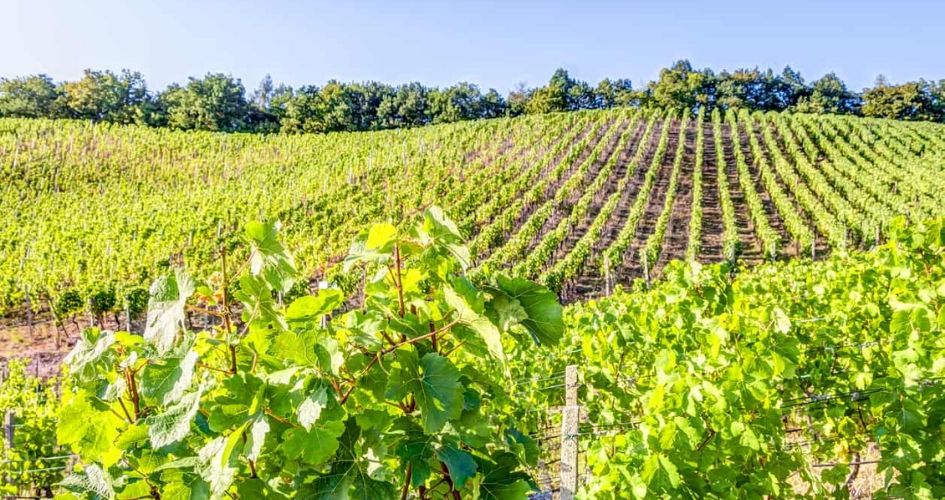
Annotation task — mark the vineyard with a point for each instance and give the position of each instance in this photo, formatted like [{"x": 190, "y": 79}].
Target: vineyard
[
  {"x": 581, "y": 202},
  {"x": 792, "y": 379}
]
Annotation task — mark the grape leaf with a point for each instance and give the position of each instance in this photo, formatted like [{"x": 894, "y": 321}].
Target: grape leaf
[
  {"x": 314, "y": 445},
  {"x": 348, "y": 477},
  {"x": 89, "y": 428},
  {"x": 174, "y": 423},
  {"x": 311, "y": 408},
  {"x": 545, "y": 315},
  {"x": 169, "y": 295},
  {"x": 380, "y": 235},
  {"x": 269, "y": 258},
  {"x": 314, "y": 307},
  {"x": 460, "y": 464},
  {"x": 434, "y": 382},
  {"x": 498, "y": 480},
  {"x": 256, "y": 437},
  {"x": 167, "y": 382},
  {"x": 91, "y": 481},
  {"x": 89, "y": 351},
  {"x": 476, "y": 322}
]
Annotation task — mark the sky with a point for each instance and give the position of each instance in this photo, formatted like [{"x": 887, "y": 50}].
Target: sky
[{"x": 495, "y": 44}]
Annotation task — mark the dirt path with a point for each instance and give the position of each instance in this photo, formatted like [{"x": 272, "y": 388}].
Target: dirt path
[
  {"x": 676, "y": 239},
  {"x": 619, "y": 171},
  {"x": 563, "y": 209},
  {"x": 631, "y": 267},
  {"x": 710, "y": 243},
  {"x": 591, "y": 283},
  {"x": 820, "y": 242},
  {"x": 530, "y": 209},
  {"x": 750, "y": 249},
  {"x": 771, "y": 212}
]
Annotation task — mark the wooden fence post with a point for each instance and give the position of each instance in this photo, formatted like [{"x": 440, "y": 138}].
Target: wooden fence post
[
  {"x": 323, "y": 285},
  {"x": 29, "y": 313},
  {"x": 570, "y": 417},
  {"x": 9, "y": 423},
  {"x": 646, "y": 268},
  {"x": 606, "y": 275}
]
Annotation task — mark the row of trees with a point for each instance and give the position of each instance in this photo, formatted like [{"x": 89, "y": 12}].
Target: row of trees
[
  {"x": 682, "y": 87},
  {"x": 220, "y": 102}
]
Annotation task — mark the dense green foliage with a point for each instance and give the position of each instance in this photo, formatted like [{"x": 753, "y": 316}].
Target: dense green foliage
[
  {"x": 781, "y": 381},
  {"x": 219, "y": 102},
  {"x": 769, "y": 384},
  {"x": 403, "y": 395},
  {"x": 34, "y": 464}
]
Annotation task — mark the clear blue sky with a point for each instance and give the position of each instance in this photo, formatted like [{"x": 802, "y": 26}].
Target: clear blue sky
[{"x": 491, "y": 43}]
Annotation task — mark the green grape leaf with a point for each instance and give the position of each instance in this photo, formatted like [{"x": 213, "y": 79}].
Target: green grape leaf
[
  {"x": 92, "y": 481},
  {"x": 89, "y": 352},
  {"x": 439, "y": 230},
  {"x": 544, "y": 314},
  {"x": 414, "y": 448},
  {"x": 269, "y": 258},
  {"x": 434, "y": 382},
  {"x": 499, "y": 478},
  {"x": 672, "y": 474},
  {"x": 166, "y": 313},
  {"x": 460, "y": 464},
  {"x": 380, "y": 235},
  {"x": 188, "y": 487},
  {"x": 349, "y": 476},
  {"x": 260, "y": 309},
  {"x": 478, "y": 323},
  {"x": 314, "y": 307},
  {"x": 297, "y": 348},
  {"x": 231, "y": 407},
  {"x": 314, "y": 445},
  {"x": 133, "y": 435},
  {"x": 89, "y": 428},
  {"x": 173, "y": 424},
  {"x": 166, "y": 380}
]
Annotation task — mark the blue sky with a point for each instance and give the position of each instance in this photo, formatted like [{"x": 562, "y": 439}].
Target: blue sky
[{"x": 491, "y": 43}]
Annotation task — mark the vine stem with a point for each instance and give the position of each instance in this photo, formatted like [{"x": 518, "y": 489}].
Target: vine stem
[
  {"x": 449, "y": 481},
  {"x": 433, "y": 337},
  {"x": 133, "y": 389},
  {"x": 400, "y": 283},
  {"x": 279, "y": 419},
  {"x": 389, "y": 350},
  {"x": 226, "y": 310},
  {"x": 409, "y": 476}
]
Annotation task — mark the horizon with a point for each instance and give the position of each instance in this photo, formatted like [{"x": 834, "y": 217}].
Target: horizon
[{"x": 443, "y": 45}]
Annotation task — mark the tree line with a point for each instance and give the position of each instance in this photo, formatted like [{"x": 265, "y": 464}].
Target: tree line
[{"x": 220, "y": 102}]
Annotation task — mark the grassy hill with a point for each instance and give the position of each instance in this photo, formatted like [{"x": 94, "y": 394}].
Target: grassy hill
[{"x": 582, "y": 201}]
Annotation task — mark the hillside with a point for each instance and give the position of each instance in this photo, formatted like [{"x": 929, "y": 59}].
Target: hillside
[{"x": 582, "y": 201}]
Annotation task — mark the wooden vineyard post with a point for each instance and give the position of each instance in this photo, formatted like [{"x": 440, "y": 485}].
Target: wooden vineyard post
[
  {"x": 607, "y": 275},
  {"x": 323, "y": 285},
  {"x": 29, "y": 313},
  {"x": 646, "y": 268},
  {"x": 570, "y": 417},
  {"x": 9, "y": 423},
  {"x": 128, "y": 316}
]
